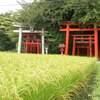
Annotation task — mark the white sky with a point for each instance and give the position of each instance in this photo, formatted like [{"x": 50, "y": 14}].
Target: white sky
[{"x": 10, "y": 5}]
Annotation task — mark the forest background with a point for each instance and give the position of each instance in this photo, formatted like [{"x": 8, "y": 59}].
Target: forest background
[{"x": 47, "y": 14}]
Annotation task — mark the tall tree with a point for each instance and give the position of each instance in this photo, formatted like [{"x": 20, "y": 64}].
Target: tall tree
[
  {"x": 7, "y": 40},
  {"x": 49, "y": 13}
]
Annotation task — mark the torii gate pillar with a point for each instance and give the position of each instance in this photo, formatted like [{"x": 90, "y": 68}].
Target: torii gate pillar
[
  {"x": 67, "y": 40},
  {"x": 20, "y": 40},
  {"x": 96, "y": 41}
]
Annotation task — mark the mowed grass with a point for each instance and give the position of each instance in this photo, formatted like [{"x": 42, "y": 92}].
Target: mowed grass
[{"x": 41, "y": 77}]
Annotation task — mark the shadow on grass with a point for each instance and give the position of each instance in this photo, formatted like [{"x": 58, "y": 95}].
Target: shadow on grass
[{"x": 84, "y": 89}]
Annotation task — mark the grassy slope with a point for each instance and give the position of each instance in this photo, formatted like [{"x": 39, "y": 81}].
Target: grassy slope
[
  {"x": 37, "y": 77},
  {"x": 96, "y": 92}
]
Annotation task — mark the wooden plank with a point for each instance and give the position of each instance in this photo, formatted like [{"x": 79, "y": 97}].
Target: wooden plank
[
  {"x": 82, "y": 35},
  {"x": 63, "y": 29},
  {"x": 66, "y": 23},
  {"x": 84, "y": 38},
  {"x": 63, "y": 23},
  {"x": 90, "y": 29}
]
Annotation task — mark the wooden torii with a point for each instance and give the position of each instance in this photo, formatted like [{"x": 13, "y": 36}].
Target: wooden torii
[
  {"x": 32, "y": 42},
  {"x": 69, "y": 29}
]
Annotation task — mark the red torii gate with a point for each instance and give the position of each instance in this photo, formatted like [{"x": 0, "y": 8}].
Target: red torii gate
[
  {"x": 32, "y": 43},
  {"x": 69, "y": 29}
]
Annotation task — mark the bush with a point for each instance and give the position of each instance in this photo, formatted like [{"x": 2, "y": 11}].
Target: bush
[{"x": 5, "y": 42}]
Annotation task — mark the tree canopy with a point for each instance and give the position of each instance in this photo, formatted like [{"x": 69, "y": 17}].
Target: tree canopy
[
  {"x": 7, "y": 37},
  {"x": 46, "y": 13}
]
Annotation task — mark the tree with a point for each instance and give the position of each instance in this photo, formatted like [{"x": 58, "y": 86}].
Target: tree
[
  {"x": 7, "y": 41},
  {"x": 45, "y": 13},
  {"x": 49, "y": 13}
]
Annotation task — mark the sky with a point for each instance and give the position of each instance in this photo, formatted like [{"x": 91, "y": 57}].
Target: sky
[{"x": 10, "y": 5}]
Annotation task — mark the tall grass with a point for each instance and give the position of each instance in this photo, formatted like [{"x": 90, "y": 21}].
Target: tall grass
[
  {"x": 38, "y": 77},
  {"x": 96, "y": 92}
]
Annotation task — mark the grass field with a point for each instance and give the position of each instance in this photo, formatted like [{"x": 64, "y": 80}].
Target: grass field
[
  {"x": 96, "y": 92},
  {"x": 38, "y": 77}
]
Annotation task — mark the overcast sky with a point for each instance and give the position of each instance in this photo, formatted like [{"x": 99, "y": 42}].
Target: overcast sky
[{"x": 7, "y": 5}]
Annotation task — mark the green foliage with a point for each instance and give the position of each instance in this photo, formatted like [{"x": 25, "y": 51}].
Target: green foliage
[
  {"x": 45, "y": 13},
  {"x": 87, "y": 11},
  {"x": 42, "y": 14},
  {"x": 5, "y": 24},
  {"x": 96, "y": 92},
  {"x": 42, "y": 77},
  {"x": 7, "y": 28},
  {"x": 48, "y": 14},
  {"x": 53, "y": 38},
  {"x": 5, "y": 42}
]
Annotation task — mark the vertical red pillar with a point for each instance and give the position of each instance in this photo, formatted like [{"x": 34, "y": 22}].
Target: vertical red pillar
[
  {"x": 27, "y": 45},
  {"x": 96, "y": 42},
  {"x": 88, "y": 52},
  {"x": 67, "y": 39},
  {"x": 90, "y": 43},
  {"x": 73, "y": 48},
  {"x": 78, "y": 51},
  {"x": 37, "y": 47}
]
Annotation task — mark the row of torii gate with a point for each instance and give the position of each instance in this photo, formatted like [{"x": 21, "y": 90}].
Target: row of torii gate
[
  {"x": 33, "y": 40},
  {"x": 79, "y": 38},
  {"x": 83, "y": 37}
]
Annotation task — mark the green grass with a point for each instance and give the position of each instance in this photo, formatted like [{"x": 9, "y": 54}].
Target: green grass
[
  {"x": 38, "y": 77},
  {"x": 96, "y": 93}
]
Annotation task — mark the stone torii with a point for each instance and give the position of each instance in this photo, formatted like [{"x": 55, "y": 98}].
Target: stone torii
[{"x": 22, "y": 25}]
